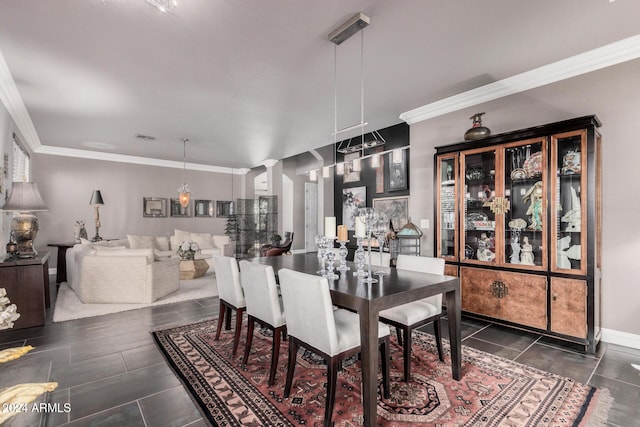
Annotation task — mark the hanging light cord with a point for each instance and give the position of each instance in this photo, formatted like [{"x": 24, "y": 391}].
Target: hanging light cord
[
  {"x": 184, "y": 160},
  {"x": 362, "y": 87}
]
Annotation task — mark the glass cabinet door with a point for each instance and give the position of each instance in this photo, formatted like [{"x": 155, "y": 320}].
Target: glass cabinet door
[
  {"x": 447, "y": 172},
  {"x": 478, "y": 170},
  {"x": 568, "y": 171},
  {"x": 525, "y": 188}
]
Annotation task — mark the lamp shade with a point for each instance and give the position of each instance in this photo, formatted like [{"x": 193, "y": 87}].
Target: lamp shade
[
  {"x": 25, "y": 197},
  {"x": 96, "y": 198}
]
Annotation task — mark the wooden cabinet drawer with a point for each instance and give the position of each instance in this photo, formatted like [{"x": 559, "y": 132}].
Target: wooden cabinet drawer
[{"x": 523, "y": 299}]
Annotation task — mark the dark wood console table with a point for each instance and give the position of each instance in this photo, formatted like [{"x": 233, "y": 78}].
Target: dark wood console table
[
  {"x": 27, "y": 283},
  {"x": 61, "y": 263}
]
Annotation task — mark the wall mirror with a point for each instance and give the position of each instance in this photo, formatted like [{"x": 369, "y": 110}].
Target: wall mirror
[
  {"x": 204, "y": 208},
  {"x": 178, "y": 210},
  {"x": 223, "y": 208},
  {"x": 154, "y": 207}
]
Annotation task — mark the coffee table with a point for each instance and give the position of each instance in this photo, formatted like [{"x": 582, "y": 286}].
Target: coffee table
[{"x": 192, "y": 269}]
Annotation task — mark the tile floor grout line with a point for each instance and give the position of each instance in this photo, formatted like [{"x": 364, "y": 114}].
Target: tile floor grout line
[
  {"x": 618, "y": 380},
  {"x": 99, "y": 412},
  {"x": 530, "y": 345},
  {"x": 595, "y": 368},
  {"x": 568, "y": 350},
  {"x": 479, "y": 330},
  {"x": 115, "y": 375},
  {"x": 144, "y": 421}
]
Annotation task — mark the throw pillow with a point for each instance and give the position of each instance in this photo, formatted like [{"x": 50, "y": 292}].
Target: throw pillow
[
  {"x": 162, "y": 243},
  {"x": 203, "y": 240},
  {"x": 182, "y": 236},
  {"x": 142, "y": 242}
]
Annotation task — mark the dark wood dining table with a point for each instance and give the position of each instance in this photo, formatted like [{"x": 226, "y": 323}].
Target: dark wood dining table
[{"x": 368, "y": 299}]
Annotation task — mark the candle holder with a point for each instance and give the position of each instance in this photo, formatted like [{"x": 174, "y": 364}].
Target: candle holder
[
  {"x": 321, "y": 242},
  {"x": 331, "y": 256},
  {"x": 380, "y": 231},
  {"x": 359, "y": 259},
  {"x": 343, "y": 252},
  {"x": 370, "y": 218}
]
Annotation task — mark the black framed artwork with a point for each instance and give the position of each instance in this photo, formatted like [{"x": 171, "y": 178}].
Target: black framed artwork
[{"x": 397, "y": 173}]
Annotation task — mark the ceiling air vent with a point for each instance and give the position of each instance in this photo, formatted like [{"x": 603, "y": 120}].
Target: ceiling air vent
[{"x": 145, "y": 137}]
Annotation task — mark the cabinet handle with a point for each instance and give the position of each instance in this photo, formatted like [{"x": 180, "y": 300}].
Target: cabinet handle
[
  {"x": 554, "y": 297},
  {"x": 499, "y": 289}
]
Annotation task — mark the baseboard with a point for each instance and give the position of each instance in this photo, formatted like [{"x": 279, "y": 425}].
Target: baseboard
[
  {"x": 53, "y": 271},
  {"x": 298, "y": 251},
  {"x": 621, "y": 338}
]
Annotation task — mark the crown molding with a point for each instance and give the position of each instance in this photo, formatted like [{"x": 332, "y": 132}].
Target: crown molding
[
  {"x": 614, "y": 53},
  {"x": 12, "y": 100},
  {"x": 122, "y": 158}
]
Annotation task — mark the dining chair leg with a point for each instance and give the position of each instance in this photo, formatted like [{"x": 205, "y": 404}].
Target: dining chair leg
[
  {"x": 407, "y": 353},
  {"x": 227, "y": 323},
  {"x": 384, "y": 357},
  {"x": 399, "y": 334},
  {"x": 332, "y": 379},
  {"x": 291, "y": 367},
  {"x": 247, "y": 345},
  {"x": 220, "y": 319},
  {"x": 438, "y": 335},
  {"x": 236, "y": 337},
  {"x": 275, "y": 354}
]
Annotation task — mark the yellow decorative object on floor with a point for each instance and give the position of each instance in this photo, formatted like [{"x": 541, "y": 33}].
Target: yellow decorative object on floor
[
  {"x": 14, "y": 353},
  {"x": 15, "y": 397}
]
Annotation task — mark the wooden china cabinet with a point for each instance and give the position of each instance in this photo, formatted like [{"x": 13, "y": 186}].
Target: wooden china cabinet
[{"x": 518, "y": 218}]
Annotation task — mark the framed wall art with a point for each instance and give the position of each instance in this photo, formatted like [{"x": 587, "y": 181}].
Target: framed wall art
[
  {"x": 397, "y": 174},
  {"x": 352, "y": 199},
  {"x": 178, "y": 210},
  {"x": 154, "y": 207},
  {"x": 349, "y": 174},
  {"x": 395, "y": 208},
  {"x": 203, "y": 208},
  {"x": 223, "y": 208}
]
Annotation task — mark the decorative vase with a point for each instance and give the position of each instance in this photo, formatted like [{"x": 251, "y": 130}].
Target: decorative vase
[{"x": 477, "y": 131}]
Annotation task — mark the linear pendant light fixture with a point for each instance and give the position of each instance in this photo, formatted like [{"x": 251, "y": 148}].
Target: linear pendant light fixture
[{"x": 338, "y": 36}]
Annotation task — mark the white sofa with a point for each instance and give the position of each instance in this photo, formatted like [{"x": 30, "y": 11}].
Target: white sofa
[
  {"x": 138, "y": 269},
  {"x": 113, "y": 274}
]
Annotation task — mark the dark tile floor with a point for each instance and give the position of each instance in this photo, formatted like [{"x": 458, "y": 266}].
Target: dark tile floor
[{"x": 111, "y": 373}]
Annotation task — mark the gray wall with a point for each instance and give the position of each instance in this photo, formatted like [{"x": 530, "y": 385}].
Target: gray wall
[
  {"x": 576, "y": 97},
  {"x": 66, "y": 185}
]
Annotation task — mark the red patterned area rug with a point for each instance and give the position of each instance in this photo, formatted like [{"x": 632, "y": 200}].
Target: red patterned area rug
[{"x": 493, "y": 391}]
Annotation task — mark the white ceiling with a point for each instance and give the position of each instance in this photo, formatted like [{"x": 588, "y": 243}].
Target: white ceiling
[{"x": 252, "y": 80}]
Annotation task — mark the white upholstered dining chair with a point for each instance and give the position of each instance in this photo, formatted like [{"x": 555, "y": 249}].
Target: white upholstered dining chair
[
  {"x": 332, "y": 334},
  {"x": 231, "y": 295},
  {"x": 263, "y": 306},
  {"x": 407, "y": 317}
]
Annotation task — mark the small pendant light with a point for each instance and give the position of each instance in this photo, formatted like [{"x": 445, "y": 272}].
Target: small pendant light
[{"x": 185, "y": 193}]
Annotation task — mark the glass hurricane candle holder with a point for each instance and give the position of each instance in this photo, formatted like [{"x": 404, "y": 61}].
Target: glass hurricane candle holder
[{"x": 342, "y": 253}]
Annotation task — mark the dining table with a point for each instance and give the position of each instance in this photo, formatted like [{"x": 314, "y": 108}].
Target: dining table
[{"x": 394, "y": 288}]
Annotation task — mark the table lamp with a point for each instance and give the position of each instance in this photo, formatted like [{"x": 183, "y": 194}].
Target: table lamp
[
  {"x": 96, "y": 202},
  {"x": 25, "y": 199}
]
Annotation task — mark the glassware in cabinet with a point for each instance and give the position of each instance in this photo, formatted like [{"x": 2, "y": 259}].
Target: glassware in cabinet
[
  {"x": 568, "y": 171},
  {"x": 478, "y": 170},
  {"x": 525, "y": 219},
  {"x": 447, "y": 171}
]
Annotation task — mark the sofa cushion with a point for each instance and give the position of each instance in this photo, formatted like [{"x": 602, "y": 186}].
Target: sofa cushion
[
  {"x": 181, "y": 236},
  {"x": 142, "y": 242},
  {"x": 162, "y": 243},
  {"x": 203, "y": 240},
  {"x": 109, "y": 248},
  {"x": 98, "y": 243},
  {"x": 148, "y": 253},
  {"x": 161, "y": 255}
]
